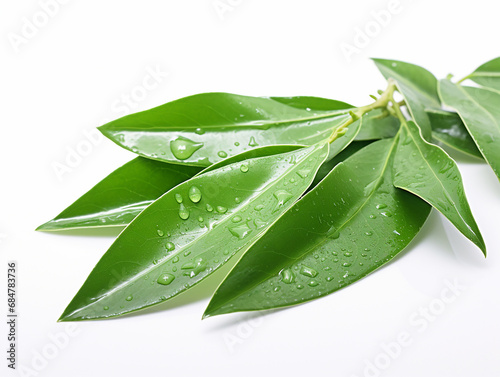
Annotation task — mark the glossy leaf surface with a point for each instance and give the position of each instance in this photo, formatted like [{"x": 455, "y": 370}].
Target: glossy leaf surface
[
  {"x": 378, "y": 125},
  {"x": 417, "y": 85},
  {"x": 488, "y": 74},
  {"x": 192, "y": 230},
  {"x": 352, "y": 223},
  {"x": 205, "y": 128},
  {"x": 448, "y": 129},
  {"x": 122, "y": 195},
  {"x": 426, "y": 170},
  {"x": 480, "y": 111}
]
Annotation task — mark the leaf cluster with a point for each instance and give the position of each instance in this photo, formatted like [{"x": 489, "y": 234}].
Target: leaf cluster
[{"x": 304, "y": 195}]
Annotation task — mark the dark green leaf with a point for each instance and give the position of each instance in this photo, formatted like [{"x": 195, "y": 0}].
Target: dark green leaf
[
  {"x": 488, "y": 74},
  {"x": 480, "y": 111},
  {"x": 377, "y": 124},
  {"x": 426, "y": 170},
  {"x": 448, "y": 129},
  {"x": 349, "y": 225},
  {"x": 192, "y": 230},
  {"x": 417, "y": 85},
  {"x": 205, "y": 128},
  {"x": 122, "y": 195}
]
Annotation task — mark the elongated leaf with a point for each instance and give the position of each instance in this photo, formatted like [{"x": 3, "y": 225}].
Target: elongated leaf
[
  {"x": 480, "y": 111},
  {"x": 426, "y": 170},
  {"x": 122, "y": 195},
  {"x": 353, "y": 222},
  {"x": 378, "y": 125},
  {"x": 417, "y": 85},
  {"x": 205, "y": 128},
  {"x": 192, "y": 230},
  {"x": 488, "y": 74},
  {"x": 448, "y": 129}
]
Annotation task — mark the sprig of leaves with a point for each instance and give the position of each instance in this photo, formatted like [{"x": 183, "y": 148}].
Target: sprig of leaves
[{"x": 310, "y": 194}]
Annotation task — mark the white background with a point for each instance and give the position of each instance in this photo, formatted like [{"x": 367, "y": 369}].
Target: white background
[{"x": 72, "y": 73}]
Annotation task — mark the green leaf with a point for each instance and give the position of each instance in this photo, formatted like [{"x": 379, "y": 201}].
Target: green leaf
[
  {"x": 377, "y": 124},
  {"x": 449, "y": 130},
  {"x": 418, "y": 87},
  {"x": 193, "y": 230},
  {"x": 349, "y": 225},
  {"x": 488, "y": 74},
  {"x": 426, "y": 170},
  {"x": 205, "y": 128},
  {"x": 122, "y": 195},
  {"x": 346, "y": 153},
  {"x": 480, "y": 111}
]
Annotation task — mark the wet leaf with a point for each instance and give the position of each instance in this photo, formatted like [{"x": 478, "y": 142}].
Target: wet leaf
[
  {"x": 426, "y": 170},
  {"x": 122, "y": 195},
  {"x": 192, "y": 230},
  {"x": 349, "y": 225},
  {"x": 480, "y": 111},
  {"x": 205, "y": 128}
]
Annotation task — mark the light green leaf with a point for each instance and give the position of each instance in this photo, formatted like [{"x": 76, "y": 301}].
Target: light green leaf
[
  {"x": 206, "y": 128},
  {"x": 426, "y": 170},
  {"x": 488, "y": 74},
  {"x": 480, "y": 111},
  {"x": 193, "y": 230},
  {"x": 122, "y": 195},
  {"x": 418, "y": 87},
  {"x": 349, "y": 225}
]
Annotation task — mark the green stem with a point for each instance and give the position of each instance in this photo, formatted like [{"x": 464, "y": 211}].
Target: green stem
[
  {"x": 382, "y": 102},
  {"x": 464, "y": 78}
]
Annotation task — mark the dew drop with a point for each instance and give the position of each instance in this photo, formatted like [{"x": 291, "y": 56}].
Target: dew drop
[
  {"x": 380, "y": 206},
  {"x": 169, "y": 246},
  {"x": 222, "y": 154},
  {"x": 129, "y": 298},
  {"x": 183, "y": 148},
  {"x": 240, "y": 231},
  {"x": 313, "y": 283},
  {"x": 221, "y": 209},
  {"x": 199, "y": 131},
  {"x": 346, "y": 264},
  {"x": 160, "y": 232},
  {"x": 194, "y": 194},
  {"x": 300, "y": 286},
  {"x": 252, "y": 142},
  {"x": 183, "y": 212},
  {"x": 282, "y": 196},
  {"x": 303, "y": 173},
  {"x": 276, "y": 289},
  {"x": 175, "y": 259},
  {"x": 196, "y": 266},
  {"x": 236, "y": 219},
  {"x": 200, "y": 219},
  {"x": 178, "y": 198},
  {"x": 259, "y": 207},
  {"x": 369, "y": 233},
  {"x": 308, "y": 271},
  {"x": 165, "y": 279},
  {"x": 244, "y": 168},
  {"x": 236, "y": 144},
  {"x": 209, "y": 208}
]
